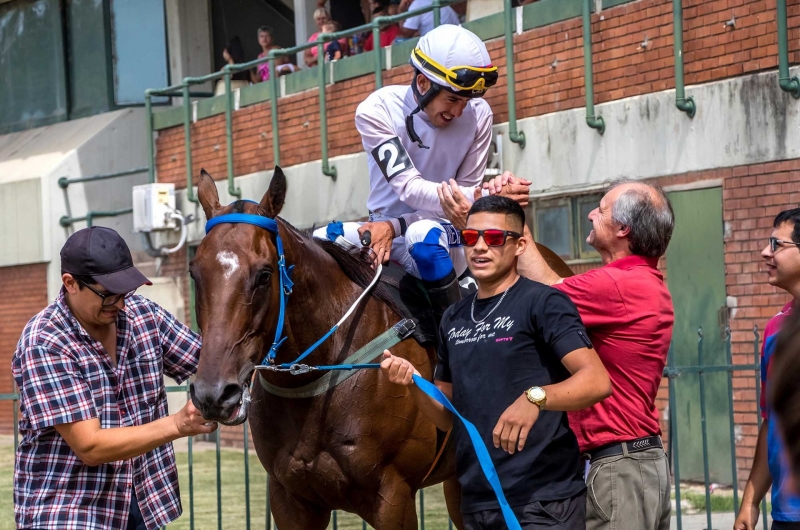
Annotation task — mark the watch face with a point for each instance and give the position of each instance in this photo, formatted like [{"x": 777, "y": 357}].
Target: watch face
[{"x": 537, "y": 394}]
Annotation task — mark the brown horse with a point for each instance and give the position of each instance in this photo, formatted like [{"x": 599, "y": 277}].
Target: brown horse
[{"x": 362, "y": 446}]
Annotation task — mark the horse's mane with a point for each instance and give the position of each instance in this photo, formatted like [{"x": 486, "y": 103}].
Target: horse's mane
[
  {"x": 357, "y": 270},
  {"x": 360, "y": 273}
]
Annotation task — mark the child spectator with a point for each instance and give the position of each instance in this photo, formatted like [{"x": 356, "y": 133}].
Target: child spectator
[
  {"x": 333, "y": 49},
  {"x": 282, "y": 64}
]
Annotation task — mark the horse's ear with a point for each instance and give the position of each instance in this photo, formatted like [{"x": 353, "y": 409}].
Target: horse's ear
[
  {"x": 273, "y": 199},
  {"x": 207, "y": 194}
]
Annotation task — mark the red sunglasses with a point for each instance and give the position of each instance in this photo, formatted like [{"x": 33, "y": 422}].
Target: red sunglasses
[{"x": 492, "y": 236}]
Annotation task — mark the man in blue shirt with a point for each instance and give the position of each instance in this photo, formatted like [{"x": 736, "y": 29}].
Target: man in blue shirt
[{"x": 770, "y": 465}]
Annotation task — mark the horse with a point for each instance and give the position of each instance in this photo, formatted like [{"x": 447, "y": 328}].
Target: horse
[{"x": 361, "y": 446}]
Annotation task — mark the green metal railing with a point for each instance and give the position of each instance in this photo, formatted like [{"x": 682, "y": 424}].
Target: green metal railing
[
  {"x": 671, "y": 372},
  {"x": 271, "y": 57},
  {"x": 64, "y": 182}
]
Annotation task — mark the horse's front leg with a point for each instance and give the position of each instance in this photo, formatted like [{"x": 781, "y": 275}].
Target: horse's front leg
[
  {"x": 292, "y": 513},
  {"x": 395, "y": 507}
]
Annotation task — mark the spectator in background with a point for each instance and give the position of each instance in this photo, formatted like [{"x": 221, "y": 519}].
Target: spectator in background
[
  {"x": 348, "y": 13},
  {"x": 785, "y": 392},
  {"x": 267, "y": 43},
  {"x": 321, "y": 17},
  {"x": 333, "y": 49},
  {"x": 380, "y": 8},
  {"x": 419, "y": 25},
  {"x": 233, "y": 53},
  {"x": 394, "y": 7},
  {"x": 770, "y": 466}
]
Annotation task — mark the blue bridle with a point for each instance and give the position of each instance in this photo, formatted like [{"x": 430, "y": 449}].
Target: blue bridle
[{"x": 284, "y": 272}]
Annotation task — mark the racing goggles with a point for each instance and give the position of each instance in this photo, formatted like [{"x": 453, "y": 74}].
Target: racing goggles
[
  {"x": 461, "y": 78},
  {"x": 492, "y": 237}
]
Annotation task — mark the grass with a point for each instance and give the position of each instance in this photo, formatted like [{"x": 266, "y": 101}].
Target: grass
[
  {"x": 233, "y": 494},
  {"x": 719, "y": 502}
]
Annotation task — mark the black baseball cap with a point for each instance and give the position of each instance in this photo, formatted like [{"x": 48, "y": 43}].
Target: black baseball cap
[{"x": 102, "y": 254}]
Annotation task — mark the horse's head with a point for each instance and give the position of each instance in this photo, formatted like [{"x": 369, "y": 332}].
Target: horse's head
[{"x": 237, "y": 291}]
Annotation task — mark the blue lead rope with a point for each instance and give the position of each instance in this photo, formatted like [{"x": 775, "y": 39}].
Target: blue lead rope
[{"x": 480, "y": 449}]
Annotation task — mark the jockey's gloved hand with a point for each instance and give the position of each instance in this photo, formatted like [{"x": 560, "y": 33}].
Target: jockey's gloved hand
[{"x": 382, "y": 234}]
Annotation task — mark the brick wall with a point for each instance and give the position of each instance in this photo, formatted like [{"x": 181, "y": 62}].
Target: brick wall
[
  {"x": 752, "y": 196},
  {"x": 24, "y": 293},
  {"x": 621, "y": 68}
]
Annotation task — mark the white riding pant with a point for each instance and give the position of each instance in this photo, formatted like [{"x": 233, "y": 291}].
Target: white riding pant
[{"x": 417, "y": 232}]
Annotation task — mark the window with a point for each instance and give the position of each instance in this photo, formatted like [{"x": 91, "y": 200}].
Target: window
[
  {"x": 563, "y": 225},
  {"x": 140, "y": 48}
]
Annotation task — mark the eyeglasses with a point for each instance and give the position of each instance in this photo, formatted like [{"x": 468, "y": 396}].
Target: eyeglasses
[
  {"x": 774, "y": 243},
  {"x": 491, "y": 236},
  {"x": 473, "y": 78},
  {"x": 109, "y": 299}
]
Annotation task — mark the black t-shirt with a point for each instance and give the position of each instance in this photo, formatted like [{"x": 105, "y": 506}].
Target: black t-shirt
[{"x": 490, "y": 365}]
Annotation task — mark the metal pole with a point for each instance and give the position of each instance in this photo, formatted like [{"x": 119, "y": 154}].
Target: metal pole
[
  {"x": 219, "y": 485},
  {"x": 703, "y": 427},
  {"x": 673, "y": 435},
  {"x": 422, "y": 509},
  {"x": 187, "y": 143},
  {"x": 513, "y": 135},
  {"x": 731, "y": 420},
  {"x": 232, "y": 189},
  {"x": 151, "y": 152},
  {"x": 273, "y": 101},
  {"x": 757, "y": 355},
  {"x": 269, "y": 508},
  {"x": 191, "y": 484},
  {"x": 595, "y": 122},
  {"x": 376, "y": 48},
  {"x": 787, "y": 83},
  {"x": 327, "y": 169},
  {"x": 246, "y": 476},
  {"x": 64, "y": 182},
  {"x": 683, "y": 103},
  {"x": 335, "y": 521},
  {"x": 437, "y": 15}
]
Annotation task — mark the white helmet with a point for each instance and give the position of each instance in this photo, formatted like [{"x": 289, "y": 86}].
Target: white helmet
[
  {"x": 456, "y": 59},
  {"x": 452, "y": 58}
]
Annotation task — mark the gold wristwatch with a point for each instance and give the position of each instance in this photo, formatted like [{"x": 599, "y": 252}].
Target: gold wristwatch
[{"x": 537, "y": 396}]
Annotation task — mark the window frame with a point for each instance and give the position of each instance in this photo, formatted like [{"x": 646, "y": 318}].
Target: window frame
[{"x": 574, "y": 204}]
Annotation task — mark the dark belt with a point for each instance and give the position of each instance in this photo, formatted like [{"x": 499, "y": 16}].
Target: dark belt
[{"x": 634, "y": 446}]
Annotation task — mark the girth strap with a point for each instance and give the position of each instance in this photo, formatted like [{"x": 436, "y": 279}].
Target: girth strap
[{"x": 372, "y": 349}]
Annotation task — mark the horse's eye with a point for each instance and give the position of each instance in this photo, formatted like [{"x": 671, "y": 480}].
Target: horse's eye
[{"x": 263, "y": 277}]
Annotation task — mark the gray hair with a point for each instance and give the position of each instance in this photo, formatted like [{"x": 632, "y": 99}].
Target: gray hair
[{"x": 647, "y": 212}]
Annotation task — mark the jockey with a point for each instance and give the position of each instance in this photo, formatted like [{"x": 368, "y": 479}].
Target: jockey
[{"x": 415, "y": 137}]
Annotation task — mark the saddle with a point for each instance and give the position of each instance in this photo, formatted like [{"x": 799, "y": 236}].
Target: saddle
[{"x": 410, "y": 298}]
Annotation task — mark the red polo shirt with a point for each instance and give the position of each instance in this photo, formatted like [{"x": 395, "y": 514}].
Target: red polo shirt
[{"x": 627, "y": 311}]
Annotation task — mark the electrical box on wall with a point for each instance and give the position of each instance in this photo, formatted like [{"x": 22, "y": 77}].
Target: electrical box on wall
[{"x": 153, "y": 205}]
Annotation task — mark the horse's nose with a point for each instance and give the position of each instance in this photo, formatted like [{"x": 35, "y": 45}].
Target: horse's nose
[{"x": 215, "y": 401}]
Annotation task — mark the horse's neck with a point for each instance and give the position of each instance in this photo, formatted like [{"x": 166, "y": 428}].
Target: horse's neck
[{"x": 322, "y": 294}]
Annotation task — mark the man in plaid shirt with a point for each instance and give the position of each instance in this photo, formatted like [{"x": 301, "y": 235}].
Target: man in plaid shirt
[{"x": 96, "y": 446}]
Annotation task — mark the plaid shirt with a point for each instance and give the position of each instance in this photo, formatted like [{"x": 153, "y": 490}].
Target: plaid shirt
[{"x": 65, "y": 376}]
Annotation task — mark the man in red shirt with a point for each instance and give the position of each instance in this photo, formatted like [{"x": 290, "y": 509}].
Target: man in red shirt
[{"x": 627, "y": 310}]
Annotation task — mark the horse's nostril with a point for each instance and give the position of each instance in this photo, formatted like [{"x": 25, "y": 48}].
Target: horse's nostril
[{"x": 231, "y": 392}]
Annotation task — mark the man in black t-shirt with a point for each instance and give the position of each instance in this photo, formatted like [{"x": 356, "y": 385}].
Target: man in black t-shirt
[{"x": 512, "y": 358}]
